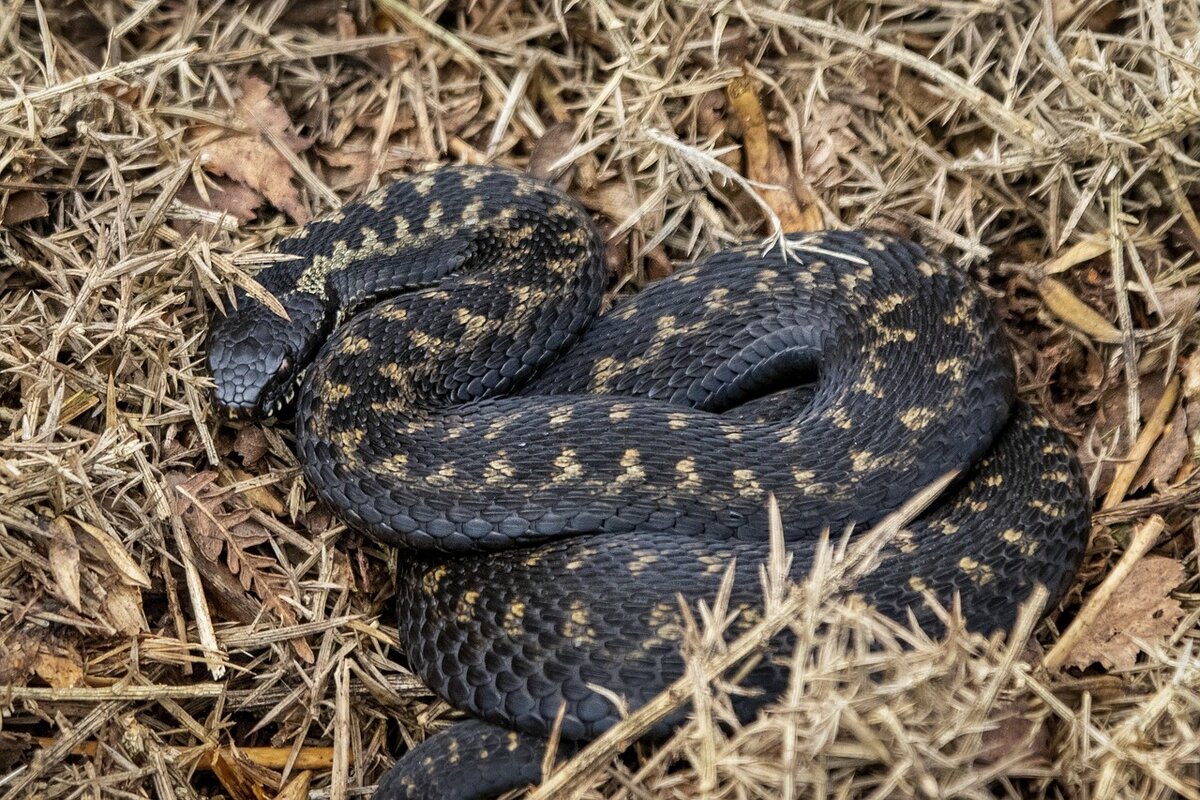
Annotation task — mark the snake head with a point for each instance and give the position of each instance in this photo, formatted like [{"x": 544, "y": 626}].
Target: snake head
[{"x": 257, "y": 357}]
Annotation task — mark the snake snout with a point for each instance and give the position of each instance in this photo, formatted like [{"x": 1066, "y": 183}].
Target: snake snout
[{"x": 250, "y": 381}]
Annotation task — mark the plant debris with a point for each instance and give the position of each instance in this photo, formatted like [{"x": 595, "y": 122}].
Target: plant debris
[{"x": 179, "y": 617}]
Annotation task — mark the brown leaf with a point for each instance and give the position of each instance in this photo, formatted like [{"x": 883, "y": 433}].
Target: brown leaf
[
  {"x": 1140, "y": 608},
  {"x": 1014, "y": 733},
  {"x": 766, "y": 163},
  {"x": 102, "y": 546},
  {"x": 1076, "y": 313},
  {"x": 555, "y": 143},
  {"x": 24, "y": 206},
  {"x": 1167, "y": 456},
  {"x": 235, "y": 199},
  {"x": 18, "y": 653},
  {"x": 123, "y": 609},
  {"x": 64, "y": 560},
  {"x": 250, "y": 444},
  {"x": 60, "y": 667},
  {"x": 355, "y": 164},
  {"x": 251, "y": 158}
]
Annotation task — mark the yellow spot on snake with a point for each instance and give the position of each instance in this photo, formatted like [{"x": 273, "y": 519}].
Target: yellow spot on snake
[
  {"x": 1046, "y": 508},
  {"x": 979, "y": 573},
  {"x": 560, "y": 416},
  {"x": 333, "y": 392},
  {"x": 890, "y": 302},
  {"x": 577, "y": 626},
  {"x": 499, "y": 470},
  {"x": 619, "y": 412},
  {"x": 715, "y": 300},
  {"x": 685, "y": 469},
  {"x": 802, "y": 477},
  {"x": 443, "y": 477},
  {"x": 961, "y": 313},
  {"x": 604, "y": 371},
  {"x": 677, "y": 421},
  {"x": 470, "y": 212},
  {"x": 466, "y": 605},
  {"x": 353, "y": 345},
  {"x": 569, "y": 468},
  {"x": 917, "y": 584},
  {"x": 431, "y": 582},
  {"x": 917, "y": 418},
  {"x": 513, "y": 618},
  {"x": 423, "y": 184},
  {"x": 949, "y": 528},
  {"x": 631, "y": 460},
  {"x": 862, "y": 460},
  {"x": 955, "y": 366},
  {"x": 395, "y": 465},
  {"x": 474, "y": 323},
  {"x": 765, "y": 280},
  {"x": 746, "y": 483}
]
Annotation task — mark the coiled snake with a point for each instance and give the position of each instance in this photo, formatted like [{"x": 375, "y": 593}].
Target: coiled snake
[{"x": 555, "y": 478}]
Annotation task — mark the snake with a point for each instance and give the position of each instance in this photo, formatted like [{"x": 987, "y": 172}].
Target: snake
[{"x": 559, "y": 481}]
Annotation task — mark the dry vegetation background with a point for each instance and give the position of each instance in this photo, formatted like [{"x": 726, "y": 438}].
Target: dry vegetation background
[{"x": 178, "y": 620}]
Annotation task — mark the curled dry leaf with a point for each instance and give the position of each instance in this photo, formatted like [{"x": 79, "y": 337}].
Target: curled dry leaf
[
  {"x": 250, "y": 158},
  {"x": 788, "y": 195},
  {"x": 123, "y": 609},
  {"x": 224, "y": 195},
  {"x": 250, "y": 444},
  {"x": 1168, "y": 455},
  {"x": 1076, "y": 313},
  {"x": 104, "y": 547},
  {"x": 555, "y": 143},
  {"x": 1140, "y": 609},
  {"x": 64, "y": 561},
  {"x": 60, "y": 666},
  {"x": 24, "y": 206}
]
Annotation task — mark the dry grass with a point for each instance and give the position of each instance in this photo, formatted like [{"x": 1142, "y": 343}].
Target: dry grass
[{"x": 176, "y": 617}]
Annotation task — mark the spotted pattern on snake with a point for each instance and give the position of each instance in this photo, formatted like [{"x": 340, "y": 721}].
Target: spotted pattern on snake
[{"x": 555, "y": 478}]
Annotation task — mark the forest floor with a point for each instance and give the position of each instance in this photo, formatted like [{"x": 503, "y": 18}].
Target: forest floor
[{"x": 178, "y": 618}]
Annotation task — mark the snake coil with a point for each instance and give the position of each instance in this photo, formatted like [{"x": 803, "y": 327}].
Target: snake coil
[{"x": 555, "y": 478}]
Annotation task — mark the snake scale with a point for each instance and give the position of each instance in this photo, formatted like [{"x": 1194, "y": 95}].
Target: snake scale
[{"x": 555, "y": 477}]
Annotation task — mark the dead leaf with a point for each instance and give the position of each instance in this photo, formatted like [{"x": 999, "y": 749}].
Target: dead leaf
[
  {"x": 64, "y": 560},
  {"x": 1167, "y": 456},
  {"x": 18, "y": 653},
  {"x": 250, "y": 158},
  {"x": 235, "y": 199},
  {"x": 24, "y": 206},
  {"x": 828, "y": 136},
  {"x": 1015, "y": 732},
  {"x": 766, "y": 163},
  {"x": 105, "y": 547},
  {"x": 250, "y": 444},
  {"x": 1140, "y": 609},
  {"x": 555, "y": 143},
  {"x": 123, "y": 609},
  {"x": 1073, "y": 311},
  {"x": 61, "y": 667},
  {"x": 355, "y": 164}
]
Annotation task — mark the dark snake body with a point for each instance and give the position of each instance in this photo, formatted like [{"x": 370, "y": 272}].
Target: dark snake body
[{"x": 556, "y": 480}]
